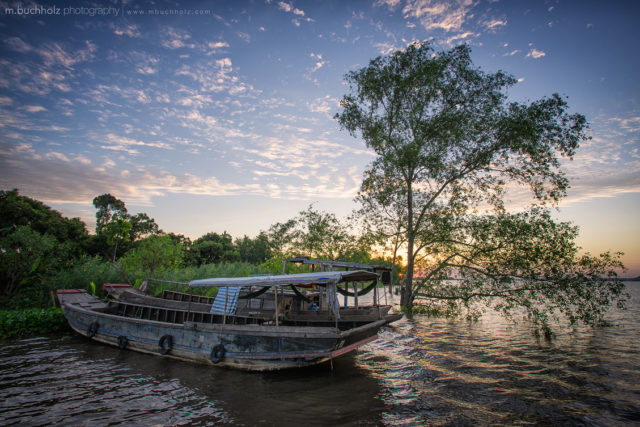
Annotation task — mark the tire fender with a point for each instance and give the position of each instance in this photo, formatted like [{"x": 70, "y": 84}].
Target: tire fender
[
  {"x": 217, "y": 353},
  {"x": 165, "y": 344}
]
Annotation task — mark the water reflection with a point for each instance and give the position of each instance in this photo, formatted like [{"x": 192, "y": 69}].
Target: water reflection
[{"x": 421, "y": 371}]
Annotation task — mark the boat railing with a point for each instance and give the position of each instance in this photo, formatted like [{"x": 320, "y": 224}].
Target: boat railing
[
  {"x": 172, "y": 315},
  {"x": 182, "y": 296}
]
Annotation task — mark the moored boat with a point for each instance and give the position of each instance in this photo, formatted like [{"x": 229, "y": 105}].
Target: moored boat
[{"x": 222, "y": 335}]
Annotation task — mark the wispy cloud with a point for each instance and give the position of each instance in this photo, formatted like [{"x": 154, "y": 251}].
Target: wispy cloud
[
  {"x": 439, "y": 14},
  {"x": 175, "y": 39},
  {"x": 288, "y": 7},
  {"x": 299, "y": 13},
  {"x": 121, "y": 143},
  {"x": 33, "y": 108},
  {"x": 18, "y": 45},
  {"x": 385, "y": 48},
  {"x": 535, "y": 53},
  {"x": 458, "y": 37},
  {"x": 494, "y": 24},
  {"x": 130, "y": 30}
]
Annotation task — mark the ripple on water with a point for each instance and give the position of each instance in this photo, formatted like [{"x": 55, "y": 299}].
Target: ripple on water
[{"x": 421, "y": 371}]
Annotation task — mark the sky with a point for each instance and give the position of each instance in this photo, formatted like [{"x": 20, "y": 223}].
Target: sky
[{"x": 218, "y": 116}]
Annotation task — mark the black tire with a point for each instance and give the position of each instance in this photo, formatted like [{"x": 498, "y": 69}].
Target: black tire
[
  {"x": 217, "y": 353},
  {"x": 123, "y": 342},
  {"x": 165, "y": 344},
  {"x": 92, "y": 329}
]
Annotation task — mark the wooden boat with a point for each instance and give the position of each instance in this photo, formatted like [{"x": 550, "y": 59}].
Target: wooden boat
[
  {"x": 292, "y": 305},
  {"x": 244, "y": 340}
]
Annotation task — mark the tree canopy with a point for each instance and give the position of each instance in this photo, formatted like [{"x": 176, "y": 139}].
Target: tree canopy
[{"x": 449, "y": 146}]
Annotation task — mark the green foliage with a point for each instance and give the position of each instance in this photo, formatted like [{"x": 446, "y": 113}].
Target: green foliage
[
  {"x": 319, "y": 235},
  {"x": 154, "y": 253},
  {"x": 213, "y": 248},
  {"x": 17, "y": 210},
  {"x": 109, "y": 209},
  {"x": 83, "y": 272},
  {"x": 253, "y": 251},
  {"x": 25, "y": 258},
  {"x": 116, "y": 229},
  {"x": 32, "y": 322},
  {"x": 186, "y": 274},
  {"x": 448, "y": 145}
]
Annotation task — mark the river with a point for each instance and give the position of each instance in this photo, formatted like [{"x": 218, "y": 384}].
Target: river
[{"x": 421, "y": 371}]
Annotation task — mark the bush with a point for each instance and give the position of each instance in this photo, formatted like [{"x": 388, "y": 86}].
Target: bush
[
  {"x": 82, "y": 273},
  {"x": 31, "y": 322},
  {"x": 184, "y": 275}
]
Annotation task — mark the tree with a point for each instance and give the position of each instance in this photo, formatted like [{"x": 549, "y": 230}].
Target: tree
[
  {"x": 109, "y": 209},
  {"x": 213, "y": 248},
  {"x": 116, "y": 229},
  {"x": 25, "y": 256},
  {"x": 317, "y": 234},
  {"x": 448, "y": 146},
  {"x": 253, "y": 251},
  {"x": 17, "y": 210},
  {"x": 153, "y": 254}
]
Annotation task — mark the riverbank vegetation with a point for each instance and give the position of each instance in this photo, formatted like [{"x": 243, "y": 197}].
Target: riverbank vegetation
[
  {"x": 450, "y": 151},
  {"x": 42, "y": 251}
]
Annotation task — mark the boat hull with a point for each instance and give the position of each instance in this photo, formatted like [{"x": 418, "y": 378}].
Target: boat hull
[{"x": 248, "y": 347}]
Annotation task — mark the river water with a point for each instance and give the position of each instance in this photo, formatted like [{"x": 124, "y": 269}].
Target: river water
[{"x": 421, "y": 371}]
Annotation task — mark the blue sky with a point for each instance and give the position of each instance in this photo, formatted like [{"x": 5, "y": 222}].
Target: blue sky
[{"x": 214, "y": 116}]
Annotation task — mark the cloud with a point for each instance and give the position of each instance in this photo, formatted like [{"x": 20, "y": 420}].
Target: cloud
[
  {"x": 391, "y": 4},
  {"x": 55, "y": 54},
  {"x": 121, "y": 143},
  {"x": 17, "y": 44},
  {"x": 454, "y": 39},
  {"x": 535, "y": 53},
  {"x": 288, "y": 7},
  {"x": 385, "y": 48},
  {"x": 513, "y": 52},
  {"x": 324, "y": 105},
  {"x": 33, "y": 108},
  {"x": 447, "y": 15},
  {"x": 319, "y": 62},
  {"x": 609, "y": 164},
  {"x": 300, "y": 15},
  {"x": 176, "y": 39},
  {"x": 130, "y": 30},
  {"x": 494, "y": 24}
]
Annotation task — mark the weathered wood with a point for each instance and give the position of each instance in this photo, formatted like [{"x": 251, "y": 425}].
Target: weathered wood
[{"x": 194, "y": 335}]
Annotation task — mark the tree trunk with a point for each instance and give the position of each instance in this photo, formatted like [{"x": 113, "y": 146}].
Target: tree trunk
[{"x": 406, "y": 298}]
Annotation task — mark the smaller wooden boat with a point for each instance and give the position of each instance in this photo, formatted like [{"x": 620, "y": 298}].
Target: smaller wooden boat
[{"x": 223, "y": 336}]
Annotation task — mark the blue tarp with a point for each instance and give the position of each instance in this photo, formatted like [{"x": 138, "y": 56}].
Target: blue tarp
[{"x": 227, "y": 296}]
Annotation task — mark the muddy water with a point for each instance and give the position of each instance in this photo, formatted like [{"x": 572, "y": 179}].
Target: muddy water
[{"x": 422, "y": 371}]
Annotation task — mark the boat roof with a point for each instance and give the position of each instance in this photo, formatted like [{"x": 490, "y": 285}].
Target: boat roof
[
  {"x": 320, "y": 278},
  {"x": 337, "y": 264}
]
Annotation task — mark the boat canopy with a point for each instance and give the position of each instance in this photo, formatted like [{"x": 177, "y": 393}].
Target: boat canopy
[
  {"x": 319, "y": 278},
  {"x": 337, "y": 264}
]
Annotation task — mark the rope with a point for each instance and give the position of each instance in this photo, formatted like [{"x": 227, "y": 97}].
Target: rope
[
  {"x": 298, "y": 293},
  {"x": 255, "y": 294},
  {"x": 360, "y": 293}
]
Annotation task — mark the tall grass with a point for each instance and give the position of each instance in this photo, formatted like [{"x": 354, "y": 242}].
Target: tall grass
[
  {"x": 85, "y": 271},
  {"x": 90, "y": 270},
  {"x": 184, "y": 275}
]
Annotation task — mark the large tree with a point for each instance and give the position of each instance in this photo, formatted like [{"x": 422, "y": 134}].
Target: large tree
[{"x": 448, "y": 146}]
